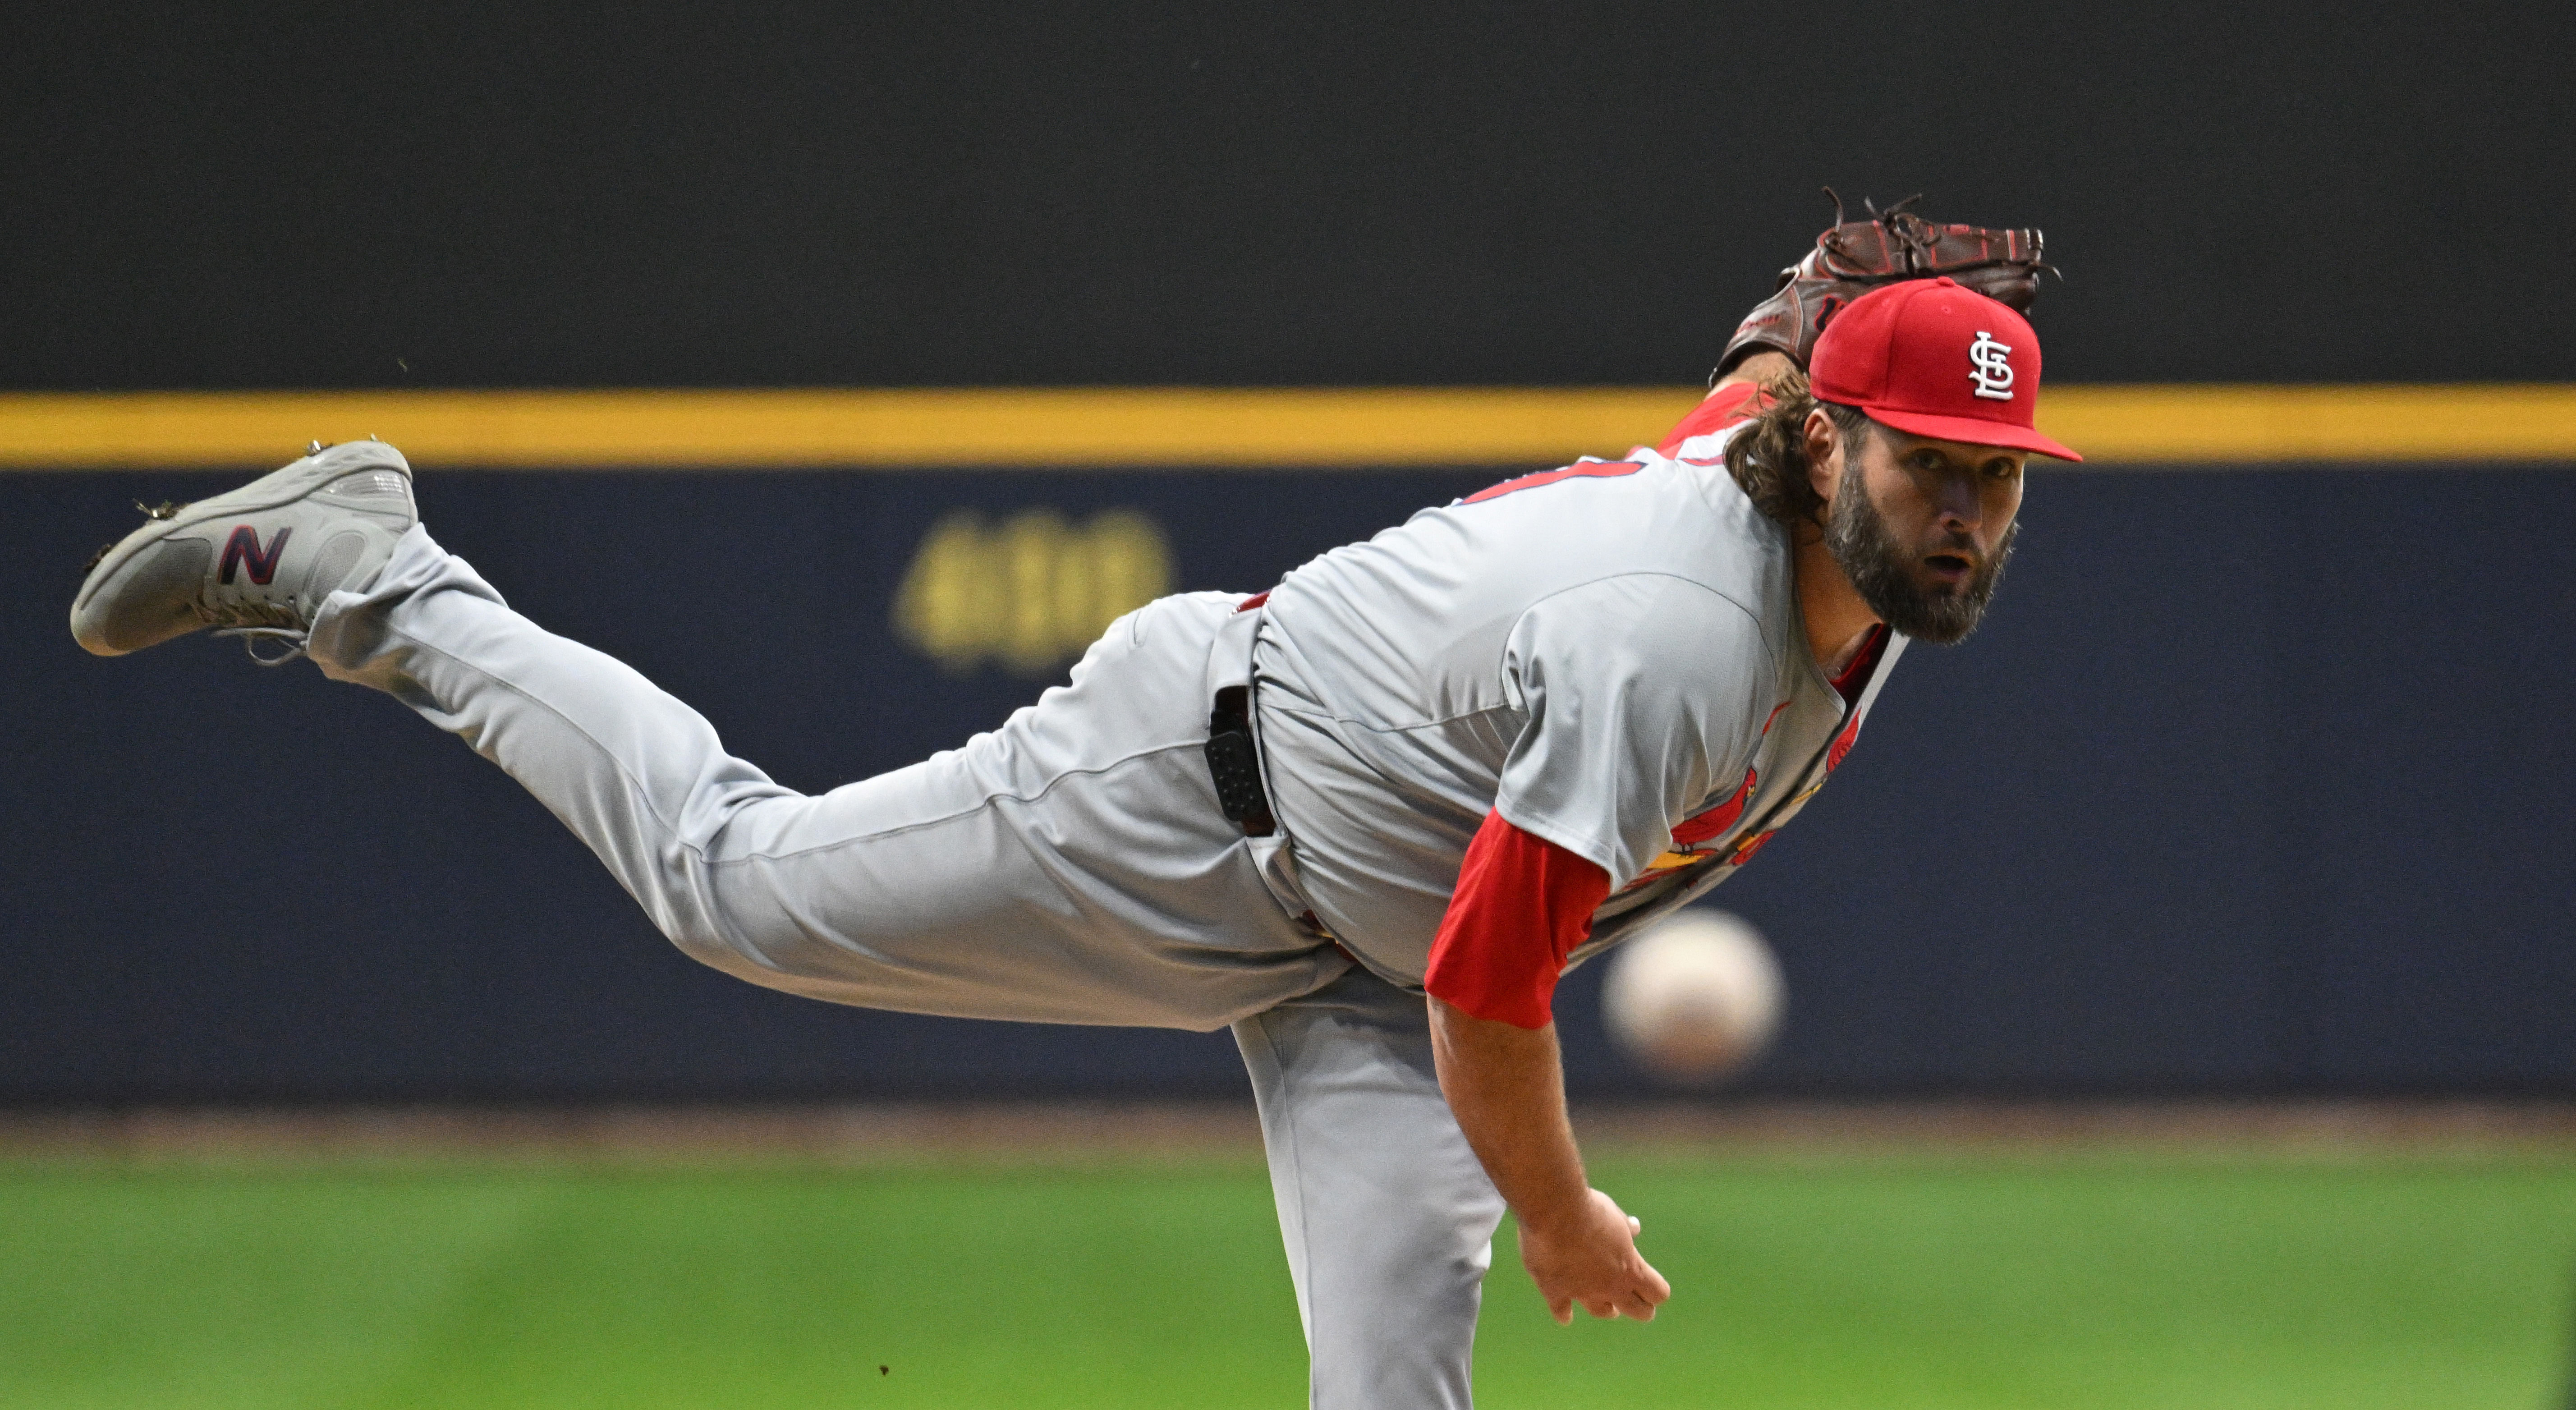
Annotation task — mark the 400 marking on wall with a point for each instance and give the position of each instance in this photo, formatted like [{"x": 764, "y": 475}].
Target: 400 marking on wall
[{"x": 1030, "y": 592}]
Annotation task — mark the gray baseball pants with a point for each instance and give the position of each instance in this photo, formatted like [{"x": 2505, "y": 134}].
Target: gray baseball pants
[{"x": 1072, "y": 866}]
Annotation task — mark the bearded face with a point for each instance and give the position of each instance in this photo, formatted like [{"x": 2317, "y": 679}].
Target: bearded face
[{"x": 1935, "y": 590}]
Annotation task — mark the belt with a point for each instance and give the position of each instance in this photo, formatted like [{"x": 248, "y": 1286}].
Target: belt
[
  {"x": 1235, "y": 763},
  {"x": 1233, "y": 756},
  {"x": 1234, "y": 753}
]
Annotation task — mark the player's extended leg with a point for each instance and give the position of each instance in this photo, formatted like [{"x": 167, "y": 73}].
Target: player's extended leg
[
  {"x": 1072, "y": 866},
  {"x": 1388, "y": 1216}
]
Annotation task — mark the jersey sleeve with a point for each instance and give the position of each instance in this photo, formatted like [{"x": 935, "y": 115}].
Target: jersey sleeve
[
  {"x": 1522, "y": 905},
  {"x": 1639, "y": 695}
]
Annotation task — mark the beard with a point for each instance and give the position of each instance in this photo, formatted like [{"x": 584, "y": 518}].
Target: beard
[{"x": 1883, "y": 570}]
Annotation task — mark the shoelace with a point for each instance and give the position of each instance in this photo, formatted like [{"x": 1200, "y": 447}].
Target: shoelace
[
  {"x": 255, "y": 622},
  {"x": 250, "y": 646}
]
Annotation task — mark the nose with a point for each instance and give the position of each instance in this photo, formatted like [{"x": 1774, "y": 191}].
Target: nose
[{"x": 1959, "y": 507}]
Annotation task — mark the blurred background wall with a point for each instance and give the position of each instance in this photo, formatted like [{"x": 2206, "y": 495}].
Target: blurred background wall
[
  {"x": 803, "y": 193},
  {"x": 2254, "y": 783}
]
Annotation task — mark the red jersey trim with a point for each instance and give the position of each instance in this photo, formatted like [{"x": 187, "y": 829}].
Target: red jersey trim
[
  {"x": 1580, "y": 470},
  {"x": 1854, "y": 680},
  {"x": 1715, "y": 822},
  {"x": 1856, "y": 675}
]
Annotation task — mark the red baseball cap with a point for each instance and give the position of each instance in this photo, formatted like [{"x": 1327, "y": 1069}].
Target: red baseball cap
[{"x": 1938, "y": 360}]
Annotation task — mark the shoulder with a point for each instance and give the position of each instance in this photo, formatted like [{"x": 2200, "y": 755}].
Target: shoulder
[
  {"x": 1647, "y": 602},
  {"x": 1646, "y": 626}
]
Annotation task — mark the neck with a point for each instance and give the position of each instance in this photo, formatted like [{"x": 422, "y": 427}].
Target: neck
[{"x": 1838, "y": 621}]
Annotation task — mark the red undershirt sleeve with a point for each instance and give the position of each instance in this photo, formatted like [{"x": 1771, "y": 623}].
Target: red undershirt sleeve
[{"x": 1522, "y": 904}]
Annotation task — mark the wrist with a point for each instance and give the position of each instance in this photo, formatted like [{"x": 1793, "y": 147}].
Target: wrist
[
  {"x": 1762, "y": 367},
  {"x": 1554, "y": 1209}
]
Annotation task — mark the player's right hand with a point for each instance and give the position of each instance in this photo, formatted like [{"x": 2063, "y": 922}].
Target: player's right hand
[{"x": 1588, "y": 1255}]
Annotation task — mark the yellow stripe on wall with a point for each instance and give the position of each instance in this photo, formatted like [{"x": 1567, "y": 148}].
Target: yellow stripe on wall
[
  {"x": 1046, "y": 427},
  {"x": 2234, "y": 424},
  {"x": 1320, "y": 428}
]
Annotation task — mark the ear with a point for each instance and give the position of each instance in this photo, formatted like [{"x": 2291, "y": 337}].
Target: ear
[{"x": 1824, "y": 455}]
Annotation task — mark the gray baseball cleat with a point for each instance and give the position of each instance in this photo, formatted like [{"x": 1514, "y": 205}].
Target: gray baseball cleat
[{"x": 254, "y": 563}]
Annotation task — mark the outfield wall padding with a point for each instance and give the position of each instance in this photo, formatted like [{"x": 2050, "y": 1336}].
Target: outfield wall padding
[{"x": 2255, "y": 782}]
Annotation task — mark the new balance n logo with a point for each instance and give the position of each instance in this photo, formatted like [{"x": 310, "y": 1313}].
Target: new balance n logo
[{"x": 242, "y": 551}]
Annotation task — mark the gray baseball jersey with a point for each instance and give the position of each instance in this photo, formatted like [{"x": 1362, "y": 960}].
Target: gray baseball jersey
[{"x": 1610, "y": 654}]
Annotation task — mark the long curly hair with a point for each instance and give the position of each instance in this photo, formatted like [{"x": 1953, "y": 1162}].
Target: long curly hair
[{"x": 1768, "y": 459}]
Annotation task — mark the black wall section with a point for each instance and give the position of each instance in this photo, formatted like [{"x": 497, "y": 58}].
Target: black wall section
[
  {"x": 289, "y": 194},
  {"x": 2254, "y": 783}
]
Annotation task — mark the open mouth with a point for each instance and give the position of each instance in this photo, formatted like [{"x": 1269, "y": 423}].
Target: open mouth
[{"x": 1949, "y": 567}]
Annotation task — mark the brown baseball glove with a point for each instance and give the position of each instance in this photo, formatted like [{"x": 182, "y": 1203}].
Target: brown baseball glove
[{"x": 1856, "y": 256}]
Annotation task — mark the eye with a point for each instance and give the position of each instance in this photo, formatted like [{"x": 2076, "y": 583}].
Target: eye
[{"x": 2001, "y": 470}]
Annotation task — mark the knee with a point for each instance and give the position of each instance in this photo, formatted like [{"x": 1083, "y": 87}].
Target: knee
[
  {"x": 693, "y": 913},
  {"x": 1440, "y": 1257},
  {"x": 702, "y": 928},
  {"x": 791, "y": 965},
  {"x": 736, "y": 920},
  {"x": 696, "y": 933},
  {"x": 1405, "y": 1336},
  {"x": 1396, "y": 1258}
]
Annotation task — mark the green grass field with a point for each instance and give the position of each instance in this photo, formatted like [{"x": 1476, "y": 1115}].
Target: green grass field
[{"x": 2196, "y": 1283}]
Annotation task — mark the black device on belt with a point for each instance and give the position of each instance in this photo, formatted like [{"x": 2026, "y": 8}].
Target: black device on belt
[{"x": 1235, "y": 764}]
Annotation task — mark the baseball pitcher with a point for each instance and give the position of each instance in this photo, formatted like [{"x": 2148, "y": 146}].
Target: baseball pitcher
[{"x": 1366, "y": 818}]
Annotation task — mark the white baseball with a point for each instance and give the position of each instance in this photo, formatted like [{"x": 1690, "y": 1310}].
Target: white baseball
[{"x": 1697, "y": 996}]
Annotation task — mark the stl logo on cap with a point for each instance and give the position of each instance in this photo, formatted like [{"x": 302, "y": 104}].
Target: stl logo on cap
[
  {"x": 1893, "y": 353},
  {"x": 1989, "y": 367}
]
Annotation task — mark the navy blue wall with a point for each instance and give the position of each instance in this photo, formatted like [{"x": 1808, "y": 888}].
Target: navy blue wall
[{"x": 2254, "y": 782}]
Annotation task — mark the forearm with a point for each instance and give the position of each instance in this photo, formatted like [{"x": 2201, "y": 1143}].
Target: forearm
[
  {"x": 1522, "y": 904},
  {"x": 1732, "y": 398},
  {"x": 1506, "y": 1086},
  {"x": 1760, "y": 370}
]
